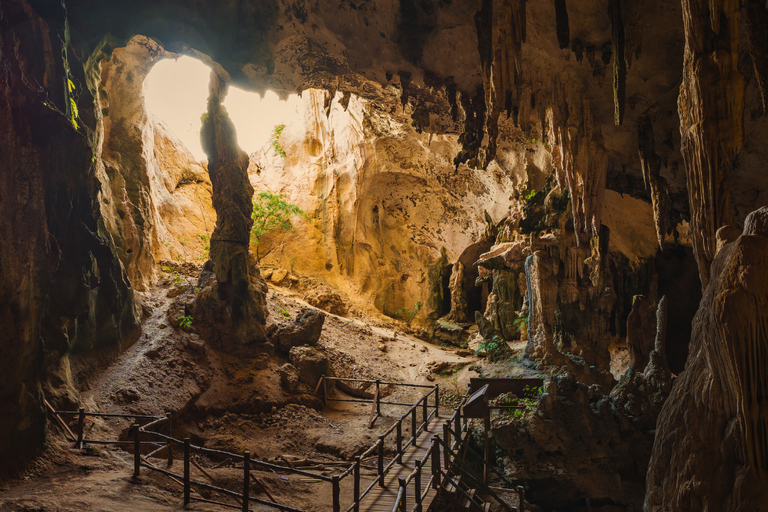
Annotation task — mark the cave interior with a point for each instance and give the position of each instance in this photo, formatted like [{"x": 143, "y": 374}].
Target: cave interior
[{"x": 207, "y": 206}]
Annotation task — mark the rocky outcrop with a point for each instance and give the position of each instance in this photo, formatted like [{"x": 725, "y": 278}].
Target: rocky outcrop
[
  {"x": 235, "y": 304},
  {"x": 63, "y": 291},
  {"x": 311, "y": 364},
  {"x": 718, "y": 461},
  {"x": 155, "y": 198}
]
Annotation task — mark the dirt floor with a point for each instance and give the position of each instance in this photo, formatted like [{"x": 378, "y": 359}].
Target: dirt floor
[{"x": 232, "y": 403}]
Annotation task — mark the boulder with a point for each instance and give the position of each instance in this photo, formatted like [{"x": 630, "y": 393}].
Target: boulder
[
  {"x": 311, "y": 364},
  {"x": 328, "y": 300},
  {"x": 278, "y": 275},
  {"x": 289, "y": 377},
  {"x": 305, "y": 329}
]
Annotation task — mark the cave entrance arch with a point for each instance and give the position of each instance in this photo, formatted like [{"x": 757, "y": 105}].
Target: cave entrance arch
[{"x": 158, "y": 191}]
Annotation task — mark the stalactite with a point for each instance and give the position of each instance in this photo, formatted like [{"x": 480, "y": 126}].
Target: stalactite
[
  {"x": 711, "y": 109},
  {"x": 501, "y": 26},
  {"x": 563, "y": 29},
  {"x": 619, "y": 61},
  {"x": 757, "y": 35},
  {"x": 650, "y": 164}
]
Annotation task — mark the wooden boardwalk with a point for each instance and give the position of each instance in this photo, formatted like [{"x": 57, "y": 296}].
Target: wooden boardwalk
[{"x": 382, "y": 499}]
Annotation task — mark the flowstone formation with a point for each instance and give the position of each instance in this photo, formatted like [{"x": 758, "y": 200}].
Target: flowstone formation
[
  {"x": 718, "y": 461},
  {"x": 581, "y": 439},
  {"x": 232, "y": 309}
]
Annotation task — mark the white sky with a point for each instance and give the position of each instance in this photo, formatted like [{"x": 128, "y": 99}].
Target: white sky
[{"x": 176, "y": 92}]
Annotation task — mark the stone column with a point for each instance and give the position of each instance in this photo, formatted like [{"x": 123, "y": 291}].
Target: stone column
[{"x": 234, "y": 307}]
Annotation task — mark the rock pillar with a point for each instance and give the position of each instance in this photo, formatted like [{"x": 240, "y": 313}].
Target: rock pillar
[{"x": 234, "y": 307}]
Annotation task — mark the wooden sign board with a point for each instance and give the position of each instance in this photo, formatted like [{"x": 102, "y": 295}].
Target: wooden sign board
[{"x": 500, "y": 386}]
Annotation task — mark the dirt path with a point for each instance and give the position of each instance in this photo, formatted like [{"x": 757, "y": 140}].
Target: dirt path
[{"x": 227, "y": 402}]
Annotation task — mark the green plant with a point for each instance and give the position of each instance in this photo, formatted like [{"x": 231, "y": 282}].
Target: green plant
[
  {"x": 521, "y": 323},
  {"x": 185, "y": 322},
  {"x": 276, "y": 140},
  {"x": 271, "y": 212},
  {"x": 73, "y": 112},
  {"x": 284, "y": 312},
  {"x": 495, "y": 347},
  {"x": 530, "y": 194},
  {"x": 408, "y": 314}
]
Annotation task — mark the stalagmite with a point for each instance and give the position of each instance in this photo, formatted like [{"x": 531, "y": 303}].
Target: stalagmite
[
  {"x": 458, "y": 294},
  {"x": 719, "y": 461}
]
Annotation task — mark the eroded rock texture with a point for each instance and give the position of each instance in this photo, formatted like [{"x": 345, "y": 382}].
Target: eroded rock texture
[
  {"x": 63, "y": 291},
  {"x": 234, "y": 305},
  {"x": 156, "y": 199},
  {"x": 710, "y": 449},
  {"x": 711, "y": 107}
]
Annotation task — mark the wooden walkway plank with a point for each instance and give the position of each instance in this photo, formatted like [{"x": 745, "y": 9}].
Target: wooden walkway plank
[{"x": 382, "y": 499}]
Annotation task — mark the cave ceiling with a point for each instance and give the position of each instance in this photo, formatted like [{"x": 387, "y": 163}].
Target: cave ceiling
[{"x": 471, "y": 64}]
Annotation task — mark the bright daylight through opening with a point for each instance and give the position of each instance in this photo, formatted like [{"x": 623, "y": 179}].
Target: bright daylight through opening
[{"x": 176, "y": 92}]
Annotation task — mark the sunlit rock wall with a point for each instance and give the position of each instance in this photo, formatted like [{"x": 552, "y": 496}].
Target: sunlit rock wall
[
  {"x": 386, "y": 207},
  {"x": 156, "y": 199}
]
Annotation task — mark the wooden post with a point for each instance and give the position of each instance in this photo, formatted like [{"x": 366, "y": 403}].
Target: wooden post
[
  {"x": 487, "y": 442},
  {"x": 399, "y": 441},
  {"x": 378, "y": 398},
  {"x": 380, "y": 465},
  {"x": 80, "y": 427},
  {"x": 447, "y": 439},
  {"x": 403, "y": 504},
  {"x": 136, "y": 450},
  {"x": 414, "y": 426},
  {"x": 170, "y": 434},
  {"x": 435, "y": 463},
  {"x": 457, "y": 424},
  {"x": 521, "y": 498},
  {"x": 325, "y": 390},
  {"x": 187, "y": 486},
  {"x": 417, "y": 486},
  {"x": 246, "y": 479},
  {"x": 356, "y": 490},
  {"x": 437, "y": 401},
  {"x": 425, "y": 412},
  {"x": 336, "y": 493}
]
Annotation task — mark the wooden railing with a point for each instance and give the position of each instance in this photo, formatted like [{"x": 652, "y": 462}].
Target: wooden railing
[
  {"x": 454, "y": 439},
  {"x": 165, "y": 441}
]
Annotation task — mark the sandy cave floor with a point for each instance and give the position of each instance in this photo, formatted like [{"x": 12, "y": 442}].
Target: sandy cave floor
[{"x": 233, "y": 403}]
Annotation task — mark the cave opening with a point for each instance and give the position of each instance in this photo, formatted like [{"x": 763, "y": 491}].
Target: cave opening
[
  {"x": 476, "y": 293},
  {"x": 176, "y": 93}
]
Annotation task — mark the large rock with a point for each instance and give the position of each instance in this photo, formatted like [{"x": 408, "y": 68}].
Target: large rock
[
  {"x": 311, "y": 364},
  {"x": 289, "y": 377},
  {"x": 305, "y": 329},
  {"x": 711, "y": 447}
]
